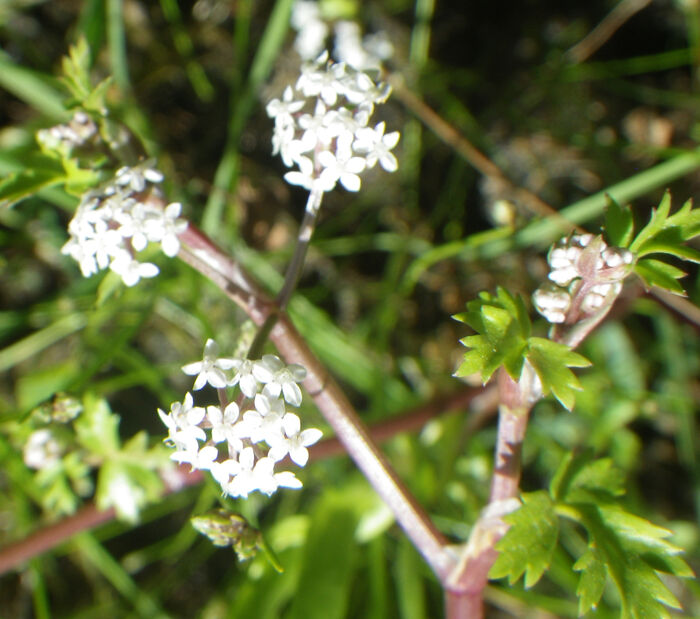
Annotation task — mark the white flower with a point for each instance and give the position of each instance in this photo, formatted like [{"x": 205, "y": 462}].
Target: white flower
[
  {"x": 315, "y": 126},
  {"x": 377, "y": 146},
  {"x": 109, "y": 226},
  {"x": 201, "y": 459},
  {"x": 312, "y": 31},
  {"x": 342, "y": 165},
  {"x": 294, "y": 442},
  {"x": 165, "y": 228},
  {"x": 130, "y": 270},
  {"x": 223, "y": 425},
  {"x": 251, "y": 475},
  {"x": 284, "y": 110},
  {"x": 307, "y": 177},
  {"x": 348, "y": 46},
  {"x": 317, "y": 80},
  {"x": 136, "y": 178},
  {"x": 280, "y": 378},
  {"x": 265, "y": 422},
  {"x": 133, "y": 222},
  {"x": 210, "y": 369},
  {"x": 42, "y": 450},
  {"x": 183, "y": 423},
  {"x": 248, "y": 467},
  {"x": 223, "y": 471},
  {"x": 244, "y": 377}
]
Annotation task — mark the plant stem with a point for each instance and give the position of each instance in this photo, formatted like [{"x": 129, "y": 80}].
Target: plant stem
[
  {"x": 357, "y": 441},
  {"x": 480, "y": 402},
  {"x": 208, "y": 259},
  {"x": 296, "y": 265},
  {"x": 294, "y": 269},
  {"x": 465, "y": 587}
]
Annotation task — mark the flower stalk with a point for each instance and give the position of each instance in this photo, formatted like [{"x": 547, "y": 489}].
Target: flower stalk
[{"x": 208, "y": 259}]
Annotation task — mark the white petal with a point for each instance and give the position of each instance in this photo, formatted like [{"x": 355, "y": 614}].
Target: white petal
[
  {"x": 291, "y": 423},
  {"x": 287, "y": 479},
  {"x": 192, "y": 368},
  {"x": 173, "y": 210},
  {"x": 389, "y": 162},
  {"x": 248, "y": 385},
  {"x": 310, "y": 436},
  {"x": 199, "y": 382},
  {"x": 216, "y": 378},
  {"x": 299, "y": 455},
  {"x": 351, "y": 182},
  {"x": 292, "y": 393},
  {"x": 148, "y": 270},
  {"x": 297, "y": 178},
  {"x": 170, "y": 245},
  {"x": 391, "y": 139}
]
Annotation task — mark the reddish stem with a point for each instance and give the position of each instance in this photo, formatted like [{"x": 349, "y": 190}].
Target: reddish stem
[{"x": 465, "y": 589}]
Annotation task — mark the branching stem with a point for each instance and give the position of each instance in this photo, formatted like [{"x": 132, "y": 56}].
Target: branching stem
[
  {"x": 291, "y": 277},
  {"x": 208, "y": 259}
]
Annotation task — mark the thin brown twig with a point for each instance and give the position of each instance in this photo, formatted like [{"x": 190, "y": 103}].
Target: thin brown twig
[
  {"x": 681, "y": 306},
  {"x": 453, "y": 138},
  {"x": 607, "y": 27},
  {"x": 88, "y": 517}
]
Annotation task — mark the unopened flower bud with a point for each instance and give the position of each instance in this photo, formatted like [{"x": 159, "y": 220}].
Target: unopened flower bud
[{"x": 552, "y": 302}]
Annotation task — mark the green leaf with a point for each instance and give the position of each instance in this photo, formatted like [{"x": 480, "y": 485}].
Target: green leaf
[
  {"x": 592, "y": 580},
  {"x": 670, "y": 240},
  {"x": 76, "y": 70},
  {"x": 641, "y": 536},
  {"x": 528, "y": 545},
  {"x": 21, "y": 185},
  {"x": 657, "y": 273},
  {"x": 655, "y": 225},
  {"x": 666, "y": 234},
  {"x": 78, "y": 180},
  {"x": 687, "y": 219},
  {"x": 503, "y": 326},
  {"x": 57, "y": 495},
  {"x": 36, "y": 89},
  {"x": 97, "y": 427},
  {"x": 324, "y": 584},
  {"x": 552, "y": 361},
  {"x": 579, "y": 478},
  {"x": 632, "y": 551},
  {"x": 619, "y": 223}
]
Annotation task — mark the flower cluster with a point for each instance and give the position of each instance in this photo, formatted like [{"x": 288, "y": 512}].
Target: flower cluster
[
  {"x": 64, "y": 138},
  {"x": 585, "y": 268},
  {"x": 311, "y": 29},
  {"x": 41, "y": 450},
  {"x": 349, "y": 46},
  {"x": 112, "y": 224},
  {"x": 322, "y": 126},
  {"x": 362, "y": 53},
  {"x": 253, "y": 441}
]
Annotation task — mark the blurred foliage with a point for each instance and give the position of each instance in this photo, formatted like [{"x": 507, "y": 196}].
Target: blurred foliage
[{"x": 386, "y": 270}]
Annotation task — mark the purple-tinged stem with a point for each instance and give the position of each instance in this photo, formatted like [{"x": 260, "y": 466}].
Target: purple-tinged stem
[{"x": 200, "y": 253}]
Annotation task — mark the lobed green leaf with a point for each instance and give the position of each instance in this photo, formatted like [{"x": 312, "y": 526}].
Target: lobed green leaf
[
  {"x": 580, "y": 479},
  {"x": 552, "y": 361},
  {"x": 529, "y": 544},
  {"x": 655, "y": 225},
  {"x": 591, "y": 583},
  {"x": 619, "y": 223},
  {"x": 658, "y": 273}
]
